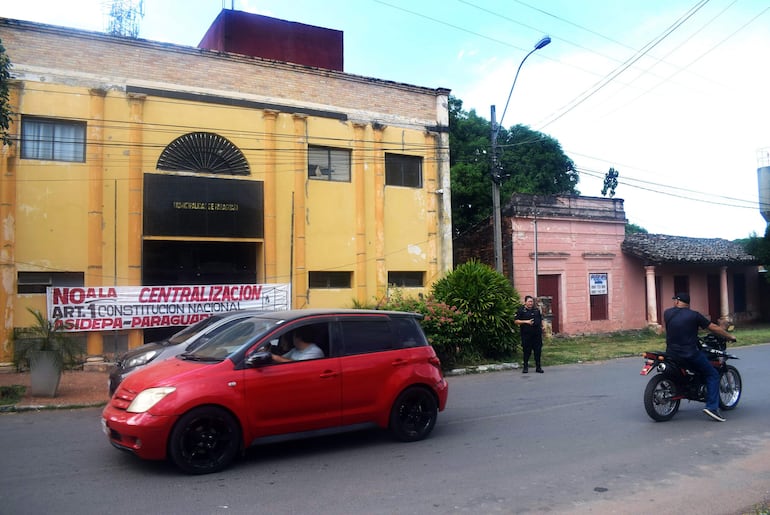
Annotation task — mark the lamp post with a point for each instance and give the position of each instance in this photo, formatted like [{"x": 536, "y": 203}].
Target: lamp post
[{"x": 495, "y": 167}]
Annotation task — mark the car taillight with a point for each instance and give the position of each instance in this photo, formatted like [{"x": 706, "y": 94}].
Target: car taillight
[{"x": 436, "y": 363}]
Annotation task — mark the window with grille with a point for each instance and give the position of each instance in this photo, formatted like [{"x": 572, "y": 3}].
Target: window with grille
[
  {"x": 328, "y": 164},
  {"x": 204, "y": 152},
  {"x": 401, "y": 170},
  {"x": 406, "y": 279},
  {"x": 37, "y": 282},
  {"x": 329, "y": 279},
  {"x": 53, "y": 140}
]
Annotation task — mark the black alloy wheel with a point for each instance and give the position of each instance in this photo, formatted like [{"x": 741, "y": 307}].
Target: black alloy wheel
[
  {"x": 204, "y": 440},
  {"x": 413, "y": 414}
]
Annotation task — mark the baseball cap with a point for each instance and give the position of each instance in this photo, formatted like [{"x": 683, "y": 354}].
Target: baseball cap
[{"x": 683, "y": 297}]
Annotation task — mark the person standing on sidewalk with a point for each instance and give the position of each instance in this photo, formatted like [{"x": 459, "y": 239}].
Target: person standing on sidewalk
[
  {"x": 682, "y": 324},
  {"x": 530, "y": 321}
]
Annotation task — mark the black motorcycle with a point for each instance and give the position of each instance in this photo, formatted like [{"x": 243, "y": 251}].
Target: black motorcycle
[{"x": 674, "y": 382}]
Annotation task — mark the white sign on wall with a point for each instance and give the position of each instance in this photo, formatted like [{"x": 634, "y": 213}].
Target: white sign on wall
[
  {"x": 597, "y": 284},
  {"x": 113, "y": 308}
]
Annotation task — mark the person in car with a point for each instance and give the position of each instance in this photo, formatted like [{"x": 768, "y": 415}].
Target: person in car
[{"x": 303, "y": 348}]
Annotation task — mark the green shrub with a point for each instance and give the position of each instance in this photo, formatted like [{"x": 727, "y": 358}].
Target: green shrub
[{"x": 490, "y": 303}]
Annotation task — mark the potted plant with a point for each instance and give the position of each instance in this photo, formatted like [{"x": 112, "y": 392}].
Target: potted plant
[{"x": 46, "y": 349}]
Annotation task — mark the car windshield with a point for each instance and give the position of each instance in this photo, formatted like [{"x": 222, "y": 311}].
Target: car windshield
[
  {"x": 221, "y": 345},
  {"x": 190, "y": 330}
]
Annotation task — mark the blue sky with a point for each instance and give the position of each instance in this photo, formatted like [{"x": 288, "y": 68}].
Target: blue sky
[{"x": 673, "y": 94}]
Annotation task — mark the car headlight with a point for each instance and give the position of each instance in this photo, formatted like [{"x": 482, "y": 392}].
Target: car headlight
[
  {"x": 141, "y": 359},
  {"x": 149, "y": 398}
]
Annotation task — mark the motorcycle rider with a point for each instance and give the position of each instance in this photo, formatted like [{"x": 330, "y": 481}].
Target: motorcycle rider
[{"x": 682, "y": 324}]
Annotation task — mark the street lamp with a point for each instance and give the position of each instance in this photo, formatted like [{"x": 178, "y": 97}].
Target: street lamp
[{"x": 495, "y": 171}]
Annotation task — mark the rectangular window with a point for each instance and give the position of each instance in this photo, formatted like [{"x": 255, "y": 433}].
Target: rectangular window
[
  {"x": 53, "y": 140},
  {"x": 406, "y": 279},
  {"x": 401, "y": 170},
  {"x": 37, "y": 282},
  {"x": 328, "y": 164},
  {"x": 599, "y": 290},
  {"x": 329, "y": 279},
  {"x": 365, "y": 336}
]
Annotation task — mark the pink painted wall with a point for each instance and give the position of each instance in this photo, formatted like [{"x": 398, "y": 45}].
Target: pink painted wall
[{"x": 572, "y": 249}]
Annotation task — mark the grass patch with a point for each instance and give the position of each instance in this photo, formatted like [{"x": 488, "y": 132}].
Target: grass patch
[
  {"x": 565, "y": 350},
  {"x": 577, "y": 349},
  {"x": 12, "y": 394}
]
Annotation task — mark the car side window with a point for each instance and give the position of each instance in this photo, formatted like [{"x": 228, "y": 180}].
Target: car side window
[
  {"x": 409, "y": 332},
  {"x": 365, "y": 336}
]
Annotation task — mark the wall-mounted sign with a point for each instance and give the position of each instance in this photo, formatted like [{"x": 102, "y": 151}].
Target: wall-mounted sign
[
  {"x": 142, "y": 307},
  {"x": 180, "y": 205},
  {"x": 597, "y": 284}
]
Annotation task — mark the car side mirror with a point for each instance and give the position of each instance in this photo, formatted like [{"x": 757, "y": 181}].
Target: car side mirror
[{"x": 259, "y": 358}]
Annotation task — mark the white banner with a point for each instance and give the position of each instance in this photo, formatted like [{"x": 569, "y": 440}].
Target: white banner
[{"x": 141, "y": 307}]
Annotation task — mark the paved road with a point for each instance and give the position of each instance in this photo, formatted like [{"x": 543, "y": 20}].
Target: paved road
[{"x": 573, "y": 440}]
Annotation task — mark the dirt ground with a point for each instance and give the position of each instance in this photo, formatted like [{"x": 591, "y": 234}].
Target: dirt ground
[{"x": 76, "y": 388}]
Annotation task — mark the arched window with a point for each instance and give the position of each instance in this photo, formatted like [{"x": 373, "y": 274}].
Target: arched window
[{"x": 203, "y": 152}]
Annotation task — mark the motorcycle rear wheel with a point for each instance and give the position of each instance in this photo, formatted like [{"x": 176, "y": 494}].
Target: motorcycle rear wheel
[
  {"x": 659, "y": 398},
  {"x": 730, "y": 386}
]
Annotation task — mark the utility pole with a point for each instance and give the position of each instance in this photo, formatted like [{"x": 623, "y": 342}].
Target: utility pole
[{"x": 496, "y": 178}]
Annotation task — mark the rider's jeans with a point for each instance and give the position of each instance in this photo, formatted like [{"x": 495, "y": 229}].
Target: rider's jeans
[{"x": 700, "y": 364}]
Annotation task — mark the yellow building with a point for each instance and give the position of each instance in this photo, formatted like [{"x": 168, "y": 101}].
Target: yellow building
[{"x": 145, "y": 163}]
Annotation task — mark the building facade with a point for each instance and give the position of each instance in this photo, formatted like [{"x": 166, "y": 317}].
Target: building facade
[
  {"x": 572, "y": 251},
  {"x": 145, "y": 163}
]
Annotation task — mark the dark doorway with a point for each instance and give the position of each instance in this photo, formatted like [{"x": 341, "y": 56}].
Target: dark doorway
[
  {"x": 548, "y": 286},
  {"x": 712, "y": 282},
  {"x": 168, "y": 263}
]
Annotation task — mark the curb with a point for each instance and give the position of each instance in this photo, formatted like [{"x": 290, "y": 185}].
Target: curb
[
  {"x": 481, "y": 369},
  {"x": 44, "y": 407}
]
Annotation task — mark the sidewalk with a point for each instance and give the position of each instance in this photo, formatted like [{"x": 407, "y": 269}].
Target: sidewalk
[{"x": 77, "y": 389}]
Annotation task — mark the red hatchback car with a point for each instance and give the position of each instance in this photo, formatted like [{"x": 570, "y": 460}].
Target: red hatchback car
[{"x": 202, "y": 408}]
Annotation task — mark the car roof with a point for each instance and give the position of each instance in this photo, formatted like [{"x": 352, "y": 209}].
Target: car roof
[{"x": 296, "y": 314}]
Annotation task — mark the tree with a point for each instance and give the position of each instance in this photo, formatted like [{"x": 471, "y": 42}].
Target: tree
[
  {"x": 5, "y": 107},
  {"x": 759, "y": 248},
  {"x": 530, "y": 162},
  {"x": 635, "y": 229},
  {"x": 610, "y": 183}
]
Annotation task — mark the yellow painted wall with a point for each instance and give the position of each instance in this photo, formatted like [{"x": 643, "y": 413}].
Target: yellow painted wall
[{"x": 362, "y": 226}]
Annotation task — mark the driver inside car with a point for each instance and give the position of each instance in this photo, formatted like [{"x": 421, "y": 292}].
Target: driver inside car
[{"x": 303, "y": 348}]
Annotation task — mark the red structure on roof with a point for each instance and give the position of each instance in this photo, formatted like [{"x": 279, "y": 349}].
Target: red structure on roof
[{"x": 270, "y": 38}]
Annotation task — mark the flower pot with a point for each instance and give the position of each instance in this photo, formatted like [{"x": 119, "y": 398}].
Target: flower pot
[{"x": 45, "y": 373}]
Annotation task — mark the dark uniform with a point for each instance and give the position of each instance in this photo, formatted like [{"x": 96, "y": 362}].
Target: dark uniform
[{"x": 531, "y": 335}]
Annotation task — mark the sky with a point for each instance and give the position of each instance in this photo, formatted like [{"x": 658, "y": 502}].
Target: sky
[{"x": 672, "y": 94}]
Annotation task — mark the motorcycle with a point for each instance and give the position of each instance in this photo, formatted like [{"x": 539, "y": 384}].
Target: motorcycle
[{"x": 674, "y": 382}]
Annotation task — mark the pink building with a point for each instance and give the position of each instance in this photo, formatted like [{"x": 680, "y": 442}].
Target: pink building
[{"x": 573, "y": 252}]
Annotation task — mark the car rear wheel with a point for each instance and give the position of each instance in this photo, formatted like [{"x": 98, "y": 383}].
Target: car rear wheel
[
  {"x": 204, "y": 440},
  {"x": 413, "y": 414}
]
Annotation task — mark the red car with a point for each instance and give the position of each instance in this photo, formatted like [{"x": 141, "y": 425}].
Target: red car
[{"x": 350, "y": 369}]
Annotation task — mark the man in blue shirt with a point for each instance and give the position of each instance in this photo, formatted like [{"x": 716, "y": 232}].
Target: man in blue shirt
[{"x": 682, "y": 324}]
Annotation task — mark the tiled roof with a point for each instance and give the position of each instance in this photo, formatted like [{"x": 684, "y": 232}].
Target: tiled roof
[{"x": 662, "y": 248}]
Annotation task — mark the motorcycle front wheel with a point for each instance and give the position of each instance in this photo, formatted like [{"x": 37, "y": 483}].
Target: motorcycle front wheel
[
  {"x": 659, "y": 398},
  {"x": 730, "y": 386}
]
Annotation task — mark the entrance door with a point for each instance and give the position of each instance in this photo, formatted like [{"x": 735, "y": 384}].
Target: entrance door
[
  {"x": 548, "y": 286},
  {"x": 170, "y": 263},
  {"x": 712, "y": 285}
]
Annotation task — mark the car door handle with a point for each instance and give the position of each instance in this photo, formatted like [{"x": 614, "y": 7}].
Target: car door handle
[
  {"x": 328, "y": 373},
  {"x": 399, "y": 363}
]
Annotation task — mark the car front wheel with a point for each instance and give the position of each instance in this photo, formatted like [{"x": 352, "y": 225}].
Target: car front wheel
[
  {"x": 204, "y": 440},
  {"x": 413, "y": 414}
]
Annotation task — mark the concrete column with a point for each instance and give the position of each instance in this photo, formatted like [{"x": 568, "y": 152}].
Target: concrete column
[
  {"x": 358, "y": 166},
  {"x": 299, "y": 283},
  {"x": 8, "y": 278},
  {"x": 724, "y": 303},
  {"x": 381, "y": 273},
  {"x": 135, "y": 201},
  {"x": 652, "y": 298},
  {"x": 95, "y": 270},
  {"x": 271, "y": 192}
]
